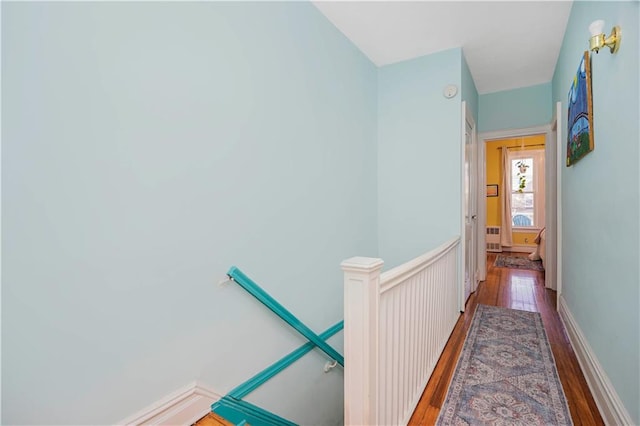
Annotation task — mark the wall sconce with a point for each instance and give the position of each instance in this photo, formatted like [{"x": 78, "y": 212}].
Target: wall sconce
[{"x": 598, "y": 40}]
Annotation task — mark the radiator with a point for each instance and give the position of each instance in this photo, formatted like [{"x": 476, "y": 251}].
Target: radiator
[{"x": 493, "y": 239}]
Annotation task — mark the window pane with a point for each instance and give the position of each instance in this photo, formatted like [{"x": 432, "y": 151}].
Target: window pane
[
  {"x": 522, "y": 174},
  {"x": 522, "y": 211}
]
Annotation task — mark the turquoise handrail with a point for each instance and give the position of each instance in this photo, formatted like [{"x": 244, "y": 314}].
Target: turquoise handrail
[
  {"x": 231, "y": 406},
  {"x": 250, "y": 286},
  {"x": 253, "y": 383},
  {"x": 241, "y": 412}
]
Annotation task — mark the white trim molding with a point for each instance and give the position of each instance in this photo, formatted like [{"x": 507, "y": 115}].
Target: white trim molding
[
  {"x": 182, "y": 407},
  {"x": 523, "y": 229},
  {"x": 519, "y": 249},
  {"x": 513, "y": 133},
  {"x": 611, "y": 408}
]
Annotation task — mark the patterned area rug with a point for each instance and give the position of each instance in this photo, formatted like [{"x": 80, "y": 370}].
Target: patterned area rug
[
  {"x": 506, "y": 374},
  {"x": 504, "y": 261}
]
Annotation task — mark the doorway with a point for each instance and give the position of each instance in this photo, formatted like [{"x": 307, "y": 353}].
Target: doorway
[{"x": 530, "y": 221}]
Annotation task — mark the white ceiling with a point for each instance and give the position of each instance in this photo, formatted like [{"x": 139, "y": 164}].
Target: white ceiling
[{"x": 507, "y": 44}]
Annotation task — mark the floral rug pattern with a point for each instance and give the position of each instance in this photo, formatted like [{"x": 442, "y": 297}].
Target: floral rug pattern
[
  {"x": 504, "y": 261},
  {"x": 506, "y": 374}
]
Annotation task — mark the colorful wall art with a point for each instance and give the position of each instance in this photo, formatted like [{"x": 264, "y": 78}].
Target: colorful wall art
[{"x": 580, "y": 122}]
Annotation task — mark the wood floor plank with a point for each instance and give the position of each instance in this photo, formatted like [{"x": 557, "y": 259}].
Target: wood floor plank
[
  {"x": 516, "y": 289},
  {"x": 212, "y": 419}
]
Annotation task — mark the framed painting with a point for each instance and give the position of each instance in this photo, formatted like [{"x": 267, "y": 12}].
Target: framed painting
[
  {"x": 492, "y": 190},
  {"x": 580, "y": 119}
]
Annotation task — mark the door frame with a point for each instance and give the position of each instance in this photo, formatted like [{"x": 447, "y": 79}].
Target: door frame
[
  {"x": 556, "y": 126},
  {"x": 551, "y": 208},
  {"x": 467, "y": 116}
]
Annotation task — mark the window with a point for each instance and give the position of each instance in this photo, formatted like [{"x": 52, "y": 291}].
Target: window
[{"x": 527, "y": 189}]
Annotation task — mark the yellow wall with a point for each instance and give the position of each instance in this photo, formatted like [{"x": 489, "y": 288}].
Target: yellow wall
[{"x": 494, "y": 176}]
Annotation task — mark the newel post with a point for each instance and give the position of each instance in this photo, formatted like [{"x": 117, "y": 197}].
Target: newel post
[{"x": 361, "y": 300}]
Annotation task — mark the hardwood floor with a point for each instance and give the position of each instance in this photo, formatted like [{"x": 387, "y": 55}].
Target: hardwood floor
[
  {"x": 516, "y": 289},
  {"x": 212, "y": 419}
]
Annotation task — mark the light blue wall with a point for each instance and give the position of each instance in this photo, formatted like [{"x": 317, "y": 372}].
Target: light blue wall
[
  {"x": 418, "y": 156},
  {"x": 469, "y": 91},
  {"x": 147, "y": 147},
  {"x": 515, "y": 109},
  {"x": 600, "y": 202}
]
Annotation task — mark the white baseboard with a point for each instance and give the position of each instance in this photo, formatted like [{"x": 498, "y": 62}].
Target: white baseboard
[
  {"x": 182, "y": 407},
  {"x": 520, "y": 249},
  {"x": 611, "y": 408}
]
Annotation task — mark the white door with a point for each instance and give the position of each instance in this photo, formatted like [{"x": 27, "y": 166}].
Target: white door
[{"x": 470, "y": 206}]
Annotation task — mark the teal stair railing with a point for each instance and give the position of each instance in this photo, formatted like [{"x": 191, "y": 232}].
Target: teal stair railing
[
  {"x": 254, "y": 289},
  {"x": 231, "y": 406},
  {"x": 241, "y": 413}
]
